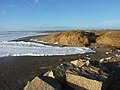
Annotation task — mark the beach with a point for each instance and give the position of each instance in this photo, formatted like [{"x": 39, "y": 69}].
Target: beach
[
  {"x": 23, "y": 59},
  {"x": 15, "y": 72}
]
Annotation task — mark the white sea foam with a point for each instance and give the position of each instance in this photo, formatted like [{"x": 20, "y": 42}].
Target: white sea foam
[
  {"x": 12, "y": 35},
  {"x": 35, "y": 49}
]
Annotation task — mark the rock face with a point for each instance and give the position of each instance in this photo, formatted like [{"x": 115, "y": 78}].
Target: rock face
[
  {"x": 42, "y": 84},
  {"x": 71, "y": 38},
  {"x": 111, "y": 38},
  {"x": 83, "y": 83}
]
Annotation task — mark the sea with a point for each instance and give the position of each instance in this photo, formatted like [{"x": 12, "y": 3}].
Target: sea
[
  {"x": 21, "y": 48},
  {"x": 12, "y": 35}
]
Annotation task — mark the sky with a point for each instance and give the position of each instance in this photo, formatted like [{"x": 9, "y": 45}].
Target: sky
[{"x": 59, "y": 14}]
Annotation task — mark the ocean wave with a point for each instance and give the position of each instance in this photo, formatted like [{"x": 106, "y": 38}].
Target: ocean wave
[{"x": 22, "y": 48}]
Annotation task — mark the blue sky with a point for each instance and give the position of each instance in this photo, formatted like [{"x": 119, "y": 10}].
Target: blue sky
[{"x": 59, "y": 14}]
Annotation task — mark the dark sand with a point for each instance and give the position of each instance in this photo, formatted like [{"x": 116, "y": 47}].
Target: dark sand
[{"x": 15, "y": 72}]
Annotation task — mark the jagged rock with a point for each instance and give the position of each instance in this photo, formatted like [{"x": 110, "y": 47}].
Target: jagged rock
[
  {"x": 43, "y": 83},
  {"x": 87, "y": 63},
  {"x": 77, "y": 63},
  {"x": 86, "y": 77},
  {"x": 83, "y": 83},
  {"x": 49, "y": 74},
  {"x": 80, "y": 63}
]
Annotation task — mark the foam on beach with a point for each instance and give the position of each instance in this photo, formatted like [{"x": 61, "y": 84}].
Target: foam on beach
[{"x": 35, "y": 49}]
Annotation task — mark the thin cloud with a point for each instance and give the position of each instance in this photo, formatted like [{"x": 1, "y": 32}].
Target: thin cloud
[
  {"x": 53, "y": 0},
  {"x": 33, "y": 6},
  {"x": 105, "y": 24},
  {"x": 10, "y": 5},
  {"x": 36, "y": 1},
  {"x": 110, "y": 21},
  {"x": 3, "y": 12}
]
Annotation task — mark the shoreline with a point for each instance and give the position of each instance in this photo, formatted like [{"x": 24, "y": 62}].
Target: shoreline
[{"x": 15, "y": 72}]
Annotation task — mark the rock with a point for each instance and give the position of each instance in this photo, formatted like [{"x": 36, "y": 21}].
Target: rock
[
  {"x": 59, "y": 74},
  {"x": 83, "y": 83},
  {"x": 105, "y": 69},
  {"x": 119, "y": 51},
  {"x": 87, "y": 63},
  {"x": 77, "y": 63},
  {"x": 49, "y": 74},
  {"x": 81, "y": 76},
  {"x": 112, "y": 64},
  {"x": 94, "y": 63},
  {"x": 87, "y": 77},
  {"x": 43, "y": 83},
  {"x": 115, "y": 80},
  {"x": 80, "y": 63}
]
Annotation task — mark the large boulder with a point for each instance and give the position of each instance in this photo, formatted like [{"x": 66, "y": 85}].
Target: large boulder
[
  {"x": 43, "y": 83},
  {"x": 71, "y": 38},
  {"x": 87, "y": 77},
  {"x": 111, "y": 38},
  {"x": 82, "y": 83}
]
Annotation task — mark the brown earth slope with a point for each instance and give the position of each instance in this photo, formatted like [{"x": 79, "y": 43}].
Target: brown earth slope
[
  {"x": 111, "y": 38},
  {"x": 78, "y": 38},
  {"x": 71, "y": 38}
]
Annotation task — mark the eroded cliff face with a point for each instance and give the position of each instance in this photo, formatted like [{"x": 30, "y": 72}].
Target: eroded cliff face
[
  {"x": 78, "y": 38},
  {"x": 111, "y": 38},
  {"x": 71, "y": 38},
  {"x": 83, "y": 38}
]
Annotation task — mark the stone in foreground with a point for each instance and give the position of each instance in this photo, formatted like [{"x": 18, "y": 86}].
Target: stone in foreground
[
  {"x": 49, "y": 74},
  {"x": 43, "y": 84},
  {"x": 83, "y": 83}
]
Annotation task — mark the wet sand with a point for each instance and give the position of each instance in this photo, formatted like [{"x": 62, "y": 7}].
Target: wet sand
[{"x": 16, "y": 71}]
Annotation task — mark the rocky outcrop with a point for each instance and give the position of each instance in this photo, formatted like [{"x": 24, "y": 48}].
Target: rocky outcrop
[
  {"x": 111, "y": 38},
  {"x": 111, "y": 65},
  {"x": 77, "y": 75},
  {"x": 71, "y": 38},
  {"x": 43, "y": 83},
  {"x": 80, "y": 76}
]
